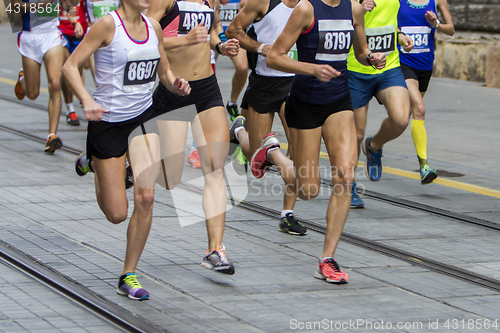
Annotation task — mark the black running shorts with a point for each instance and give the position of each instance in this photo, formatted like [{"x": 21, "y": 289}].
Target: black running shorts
[
  {"x": 205, "y": 94},
  {"x": 106, "y": 140},
  {"x": 422, "y": 76},
  {"x": 304, "y": 115},
  {"x": 266, "y": 93}
]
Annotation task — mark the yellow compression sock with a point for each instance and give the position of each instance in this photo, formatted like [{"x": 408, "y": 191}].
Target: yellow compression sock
[{"x": 419, "y": 136}]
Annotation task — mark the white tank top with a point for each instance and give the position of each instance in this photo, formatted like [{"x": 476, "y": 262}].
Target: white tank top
[
  {"x": 125, "y": 73},
  {"x": 267, "y": 30}
]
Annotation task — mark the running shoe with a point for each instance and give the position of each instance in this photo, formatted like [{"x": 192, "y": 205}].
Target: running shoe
[
  {"x": 232, "y": 110},
  {"x": 53, "y": 143},
  {"x": 18, "y": 89},
  {"x": 239, "y": 121},
  {"x": 329, "y": 270},
  {"x": 72, "y": 119},
  {"x": 129, "y": 286},
  {"x": 82, "y": 164},
  {"x": 289, "y": 224},
  {"x": 427, "y": 175},
  {"x": 271, "y": 138},
  {"x": 239, "y": 162},
  {"x": 373, "y": 165},
  {"x": 260, "y": 162},
  {"x": 356, "y": 201},
  {"x": 193, "y": 160},
  {"x": 217, "y": 261},
  {"x": 129, "y": 178}
]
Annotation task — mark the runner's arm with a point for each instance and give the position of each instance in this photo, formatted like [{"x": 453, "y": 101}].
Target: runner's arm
[
  {"x": 100, "y": 35},
  {"x": 446, "y": 27},
  {"x": 361, "y": 50},
  {"x": 301, "y": 19},
  {"x": 198, "y": 34},
  {"x": 166, "y": 76},
  {"x": 252, "y": 10}
]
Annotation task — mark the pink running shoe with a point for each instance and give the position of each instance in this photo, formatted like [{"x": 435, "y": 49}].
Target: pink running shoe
[
  {"x": 329, "y": 270},
  {"x": 260, "y": 163}
]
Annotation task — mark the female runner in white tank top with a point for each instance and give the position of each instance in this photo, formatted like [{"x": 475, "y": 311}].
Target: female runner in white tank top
[{"x": 128, "y": 51}]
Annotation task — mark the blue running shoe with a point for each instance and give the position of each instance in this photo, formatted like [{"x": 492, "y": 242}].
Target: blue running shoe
[
  {"x": 356, "y": 201},
  {"x": 129, "y": 286},
  {"x": 427, "y": 175},
  {"x": 373, "y": 165}
]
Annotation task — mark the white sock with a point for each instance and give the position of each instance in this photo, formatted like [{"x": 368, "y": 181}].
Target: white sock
[
  {"x": 48, "y": 136},
  {"x": 284, "y": 212},
  {"x": 323, "y": 259},
  {"x": 231, "y": 103},
  {"x": 70, "y": 107},
  {"x": 236, "y": 130},
  {"x": 270, "y": 150}
]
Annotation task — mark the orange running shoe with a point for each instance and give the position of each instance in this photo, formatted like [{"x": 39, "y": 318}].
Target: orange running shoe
[
  {"x": 18, "y": 89},
  {"x": 329, "y": 270},
  {"x": 53, "y": 143},
  {"x": 193, "y": 160}
]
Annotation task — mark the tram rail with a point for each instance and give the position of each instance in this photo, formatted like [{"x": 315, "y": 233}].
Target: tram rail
[{"x": 75, "y": 292}]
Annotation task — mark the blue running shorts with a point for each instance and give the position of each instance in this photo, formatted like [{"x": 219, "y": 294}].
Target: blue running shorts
[{"x": 366, "y": 86}]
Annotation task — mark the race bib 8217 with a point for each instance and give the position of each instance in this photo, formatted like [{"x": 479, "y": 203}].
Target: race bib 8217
[{"x": 381, "y": 39}]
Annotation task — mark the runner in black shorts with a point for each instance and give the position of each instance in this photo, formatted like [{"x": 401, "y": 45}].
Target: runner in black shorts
[
  {"x": 418, "y": 19},
  {"x": 320, "y": 107},
  {"x": 188, "y": 49},
  {"x": 267, "y": 88},
  {"x": 128, "y": 50}
]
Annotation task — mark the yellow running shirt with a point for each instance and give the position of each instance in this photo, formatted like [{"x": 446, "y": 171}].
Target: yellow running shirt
[{"x": 381, "y": 25}]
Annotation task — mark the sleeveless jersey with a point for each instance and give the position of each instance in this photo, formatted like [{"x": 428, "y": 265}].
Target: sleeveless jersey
[
  {"x": 44, "y": 21},
  {"x": 267, "y": 30},
  {"x": 78, "y": 12},
  {"x": 228, "y": 12},
  {"x": 125, "y": 72},
  {"x": 412, "y": 21},
  {"x": 327, "y": 41},
  {"x": 98, "y": 8},
  {"x": 381, "y": 36},
  {"x": 185, "y": 15}
]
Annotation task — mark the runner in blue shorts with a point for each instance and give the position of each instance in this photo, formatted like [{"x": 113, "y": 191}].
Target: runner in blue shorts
[{"x": 387, "y": 85}]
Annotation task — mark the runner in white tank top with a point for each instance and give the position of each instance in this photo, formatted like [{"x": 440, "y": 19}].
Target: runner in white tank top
[
  {"x": 256, "y": 26},
  {"x": 129, "y": 52},
  {"x": 40, "y": 41}
]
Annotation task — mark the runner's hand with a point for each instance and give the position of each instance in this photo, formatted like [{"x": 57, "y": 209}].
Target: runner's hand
[
  {"x": 230, "y": 48},
  {"x": 325, "y": 73},
  {"x": 181, "y": 87},
  {"x": 405, "y": 42},
  {"x": 78, "y": 30},
  {"x": 368, "y": 5},
  {"x": 378, "y": 60},
  {"x": 198, "y": 34},
  {"x": 93, "y": 111},
  {"x": 431, "y": 18}
]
